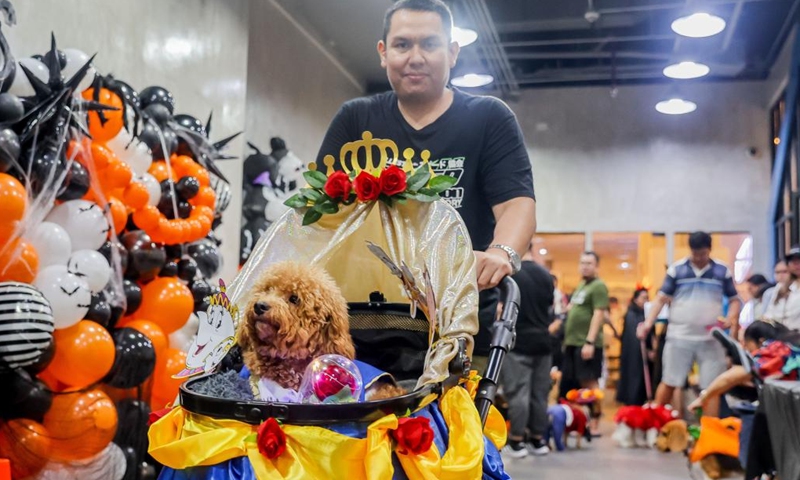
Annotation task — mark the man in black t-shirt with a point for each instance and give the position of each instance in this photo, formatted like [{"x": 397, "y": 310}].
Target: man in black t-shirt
[
  {"x": 526, "y": 370},
  {"x": 475, "y": 139}
]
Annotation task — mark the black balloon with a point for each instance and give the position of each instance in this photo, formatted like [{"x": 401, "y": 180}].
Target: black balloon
[
  {"x": 132, "y": 417},
  {"x": 43, "y": 361},
  {"x": 133, "y": 295},
  {"x": 145, "y": 258},
  {"x": 156, "y": 138},
  {"x": 166, "y": 205},
  {"x": 47, "y": 59},
  {"x": 121, "y": 253},
  {"x": 158, "y": 113},
  {"x": 174, "y": 251},
  {"x": 170, "y": 269},
  {"x": 99, "y": 310},
  {"x": 156, "y": 95},
  {"x": 187, "y": 269},
  {"x": 11, "y": 109},
  {"x": 46, "y": 168},
  {"x": 75, "y": 184},
  {"x": 206, "y": 253},
  {"x": 187, "y": 187},
  {"x": 9, "y": 148},
  {"x": 147, "y": 471},
  {"x": 184, "y": 209},
  {"x": 24, "y": 397},
  {"x": 117, "y": 311},
  {"x": 200, "y": 290},
  {"x": 134, "y": 360},
  {"x": 128, "y": 94}
]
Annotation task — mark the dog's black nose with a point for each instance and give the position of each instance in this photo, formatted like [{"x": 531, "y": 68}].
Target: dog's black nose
[{"x": 261, "y": 308}]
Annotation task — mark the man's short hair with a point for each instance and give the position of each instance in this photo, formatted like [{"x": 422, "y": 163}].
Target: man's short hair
[
  {"x": 699, "y": 240},
  {"x": 436, "y": 6},
  {"x": 593, "y": 254},
  {"x": 757, "y": 279}
]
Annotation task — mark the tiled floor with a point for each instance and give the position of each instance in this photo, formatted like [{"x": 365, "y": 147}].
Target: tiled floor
[{"x": 600, "y": 460}]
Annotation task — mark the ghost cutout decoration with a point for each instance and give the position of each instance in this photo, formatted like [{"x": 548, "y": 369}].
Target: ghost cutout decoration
[{"x": 215, "y": 336}]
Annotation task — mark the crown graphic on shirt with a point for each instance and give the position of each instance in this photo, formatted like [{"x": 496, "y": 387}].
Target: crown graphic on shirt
[{"x": 350, "y": 161}]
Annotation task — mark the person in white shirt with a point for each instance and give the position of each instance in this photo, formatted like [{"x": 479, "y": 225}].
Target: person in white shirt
[{"x": 784, "y": 306}]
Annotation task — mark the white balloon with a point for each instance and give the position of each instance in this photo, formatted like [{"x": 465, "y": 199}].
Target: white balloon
[
  {"x": 52, "y": 243},
  {"x": 153, "y": 188},
  {"x": 91, "y": 266},
  {"x": 182, "y": 338},
  {"x": 75, "y": 60},
  {"x": 21, "y": 86},
  {"x": 84, "y": 221},
  {"x": 68, "y": 294},
  {"x": 127, "y": 149}
]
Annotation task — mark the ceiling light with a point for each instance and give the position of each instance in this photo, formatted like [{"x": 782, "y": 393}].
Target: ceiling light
[
  {"x": 624, "y": 265},
  {"x": 686, "y": 70},
  {"x": 472, "y": 80},
  {"x": 676, "y": 106},
  {"x": 698, "y": 25},
  {"x": 464, "y": 36},
  {"x": 542, "y": 251}
]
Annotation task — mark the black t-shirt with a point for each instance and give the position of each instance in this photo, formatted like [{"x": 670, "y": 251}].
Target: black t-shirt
[
  {"x": 477, "y": 140},
  {"x": 536, "y": 300}
]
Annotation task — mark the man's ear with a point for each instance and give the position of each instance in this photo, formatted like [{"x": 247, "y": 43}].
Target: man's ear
[
  {"x": 454, "y": 50},
  {"x": 382, "y": 52}
]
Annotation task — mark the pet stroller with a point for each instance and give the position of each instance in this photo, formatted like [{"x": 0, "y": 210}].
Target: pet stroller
[{"x": 209, "y": 437}]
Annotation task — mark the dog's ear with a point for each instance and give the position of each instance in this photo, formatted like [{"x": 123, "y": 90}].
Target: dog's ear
[{"x": 337, "y": 331}]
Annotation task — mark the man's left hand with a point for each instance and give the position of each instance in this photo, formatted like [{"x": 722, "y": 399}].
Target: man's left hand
[
  {"x": 491, "y": 266},
  {"x": 587, "y": 352}
]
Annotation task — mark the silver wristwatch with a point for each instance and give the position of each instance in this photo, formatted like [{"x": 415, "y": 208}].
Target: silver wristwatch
[{"x": 513, "y": 257}]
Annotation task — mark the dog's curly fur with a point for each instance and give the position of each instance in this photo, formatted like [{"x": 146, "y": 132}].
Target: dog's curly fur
[{"x": 306, "y": 317}]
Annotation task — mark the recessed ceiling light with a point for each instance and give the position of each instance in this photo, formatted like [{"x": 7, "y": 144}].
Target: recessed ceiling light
[
  {"x": 686, "y": 70},
  {"x": 698, "y": 25},
  {"x": 676, "y": 106},
  {"x": 464, "y": 36},
  {"x": 542, "y": 251},
  {"x": 624, "y": 265},
  {"x": 472, "y": 80}
]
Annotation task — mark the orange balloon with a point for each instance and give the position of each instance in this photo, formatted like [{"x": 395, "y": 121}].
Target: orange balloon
[
  {"x": 118, "y": 213},
  {"x": 101, "y": 156},
  {"x": 181, "y": 163},
  {"x": 153, "y": 332},
  {"x": 13, "y": 202},
  {"x": 165, "y": 388},
  {"x": 160, "y": 170},
  {"x": 84, "y": 354},
  {"x": 147, "y": 218},
  {"x": 167, "y": 302},
  {"x": 25, "y": 444},
  {"x": 205, "y": 196},
  {"x": 19, "y": 262},
  {"x": 202, "y": 176},
  {"x": 81, "y": 424},
  {"x": 118, "y": 173},
  {"x": 136, "y": 195},
  {"x": 112, "y": 122}
]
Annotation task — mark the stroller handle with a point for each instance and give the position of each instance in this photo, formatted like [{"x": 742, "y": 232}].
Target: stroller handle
[{"x": 504, "y": 335}]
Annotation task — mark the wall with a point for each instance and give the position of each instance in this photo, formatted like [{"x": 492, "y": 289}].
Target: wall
[
  {"x": 293, "y": 88},
  {"x": 615, "y": 164},
  {"x": 197, "y": 49}
]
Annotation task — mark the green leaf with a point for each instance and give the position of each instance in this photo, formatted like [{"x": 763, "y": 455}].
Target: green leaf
[
  {"x": 352, "y": 175},
  {"x": 296, "y": 201},
  {"x": 326, "y": 207},
  {"x": 421, "y": 197},
  {"x": 311, "y": 216},
  {"x": 419, "y": 179},
  {"x": 440, "y": 183},
  {"x": 429, "y": 192},
  {"x": 312, "y": 194},
  {"x": 386, "y": 199},
  {"x": 315, "y": 179}
]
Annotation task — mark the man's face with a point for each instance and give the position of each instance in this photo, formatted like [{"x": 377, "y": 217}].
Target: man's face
[
  {"x": 794, "y": 266},
  {"x": 701, "y": 257},
  {"x": 588, "y": 266},
  {"x": 417, "y": 55},
  {"x": 781, "y": 272}
]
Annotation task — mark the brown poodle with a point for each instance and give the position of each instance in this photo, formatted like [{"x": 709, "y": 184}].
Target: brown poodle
[{"x": 295, "y": 314}]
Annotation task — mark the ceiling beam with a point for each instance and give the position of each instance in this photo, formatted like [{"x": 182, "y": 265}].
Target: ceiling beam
[
  {"x": 585, "y": 55},
  {"x": 670, "y": 6},
  {"x": 587, "y": 40},
  {"x": 732, "y": 24}
]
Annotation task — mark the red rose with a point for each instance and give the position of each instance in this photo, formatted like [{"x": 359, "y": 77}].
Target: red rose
[
  {"x": 332, "y": 380},
  {"x": 338, "y": 185},
  {"x": 393, "y": 180},
  {"x": 270, "y": 439},
  {"x": 367, "y": 187},
  {"x": 413, "y": 435}
]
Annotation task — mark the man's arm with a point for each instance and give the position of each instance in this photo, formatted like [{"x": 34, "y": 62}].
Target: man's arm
[
  {"x": 644, "y": 328},
  {"x": 733, "y": 377},
  {"x": 734, "y": 308},
  {"x": 599, "y": 315},
  {"x": 515, "y": 226}
]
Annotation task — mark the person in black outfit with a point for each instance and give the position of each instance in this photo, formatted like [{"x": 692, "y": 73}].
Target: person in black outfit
[
  {"x": 526, "y": 370},
  {"x": 475, "y": 139},
  {"x": 631, "y": 388}
]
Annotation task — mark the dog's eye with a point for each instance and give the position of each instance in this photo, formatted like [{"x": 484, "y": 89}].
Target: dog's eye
[{"x": 294, "y": 299}]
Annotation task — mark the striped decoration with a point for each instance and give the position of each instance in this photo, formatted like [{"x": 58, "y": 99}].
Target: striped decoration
[
  {"x": 223, "y": 192},
  {"x": 26, "y": 325}
]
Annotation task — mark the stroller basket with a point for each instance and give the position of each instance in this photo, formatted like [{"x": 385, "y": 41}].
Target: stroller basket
[{"x": 254, "y": 412}]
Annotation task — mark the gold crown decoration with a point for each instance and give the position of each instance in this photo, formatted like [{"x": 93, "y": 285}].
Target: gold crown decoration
[
  {"x": 388, "y": 150},
  {"x": 222, "y": 299}
]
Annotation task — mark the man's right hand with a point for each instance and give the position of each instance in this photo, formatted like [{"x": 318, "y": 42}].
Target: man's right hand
[{"x": 642, "y": 330}]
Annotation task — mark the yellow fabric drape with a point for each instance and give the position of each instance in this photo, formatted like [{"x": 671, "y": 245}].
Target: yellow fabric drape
[{"x": 181, "y": 440}]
